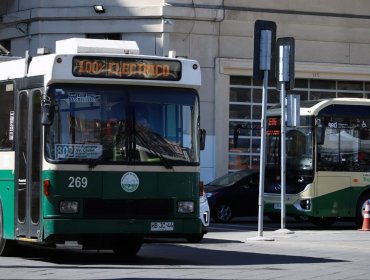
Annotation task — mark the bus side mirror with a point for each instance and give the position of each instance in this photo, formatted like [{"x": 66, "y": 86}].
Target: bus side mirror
[
  {"x": 202, "y": 139},
  {"x": 47, "y": 114}
]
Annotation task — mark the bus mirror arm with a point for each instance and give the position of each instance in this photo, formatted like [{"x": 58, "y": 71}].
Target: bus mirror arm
[
  {"x": 202, "y": 139},
  {"x": 47, "y": 113}
]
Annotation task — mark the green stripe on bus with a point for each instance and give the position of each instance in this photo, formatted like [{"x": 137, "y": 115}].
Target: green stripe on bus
[
  {"x": 7, "y": 198},
  {"x": 341, "y": 203}
]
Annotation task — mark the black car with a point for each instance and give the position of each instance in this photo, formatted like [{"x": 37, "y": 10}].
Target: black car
[{"x": 233, "y": 195}]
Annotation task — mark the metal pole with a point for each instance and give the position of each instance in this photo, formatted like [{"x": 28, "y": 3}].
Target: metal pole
[
  {"x": 262, "y": 154},
  {"x": 265, "y": 57},
  {"x": 283, "y": 155}
]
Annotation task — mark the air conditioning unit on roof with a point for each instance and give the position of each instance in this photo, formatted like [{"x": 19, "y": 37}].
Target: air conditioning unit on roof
[{"x": 84, "y": 46}]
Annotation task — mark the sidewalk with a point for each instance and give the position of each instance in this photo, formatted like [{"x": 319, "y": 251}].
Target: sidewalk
[
  {"x": 304, "y": 254},
  {"x": 226, "y": 252}
]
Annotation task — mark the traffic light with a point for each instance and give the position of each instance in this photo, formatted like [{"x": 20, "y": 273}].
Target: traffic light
[
  {"x": 264, "y": 50},
  {"x": 285, "y": 49}
]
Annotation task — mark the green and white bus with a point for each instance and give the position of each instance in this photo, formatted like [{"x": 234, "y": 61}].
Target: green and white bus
[
  {"x": 327, "y": 161},
  {"x": 99, "y": 145}
]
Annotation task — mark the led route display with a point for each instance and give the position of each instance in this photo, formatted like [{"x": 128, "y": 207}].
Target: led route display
[{"x": 126, "y": 68}]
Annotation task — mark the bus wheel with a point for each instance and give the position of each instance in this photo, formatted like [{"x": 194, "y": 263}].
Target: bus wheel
[
  {"x": 7, "y": 247},
  {"x": 323, "y": 222},
  {"x": 195, "y": 238},
  {"x": 127, "y": 247},
  {"x": 361, "y": 208}
]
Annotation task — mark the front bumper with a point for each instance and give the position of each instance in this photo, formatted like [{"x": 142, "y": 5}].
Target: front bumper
[
  {"x": 70, "y": 229},
  {"x": 293, "y": 205}
]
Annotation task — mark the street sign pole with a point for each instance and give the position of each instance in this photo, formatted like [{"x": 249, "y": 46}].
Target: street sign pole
[
  {"x": 285, "y": 77},
  {"x": 262, "y": 155},
  {"x": 263, "y": 63},
  {"x": 283, "y": 156}
]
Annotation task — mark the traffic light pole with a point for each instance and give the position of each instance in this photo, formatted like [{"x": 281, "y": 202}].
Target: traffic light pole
[
  {"x": 283, "y": 156},
  {"x": 262, "y": 158},
  {"x": 285, "y": 76},
  {"x": 263, "y": 63}
]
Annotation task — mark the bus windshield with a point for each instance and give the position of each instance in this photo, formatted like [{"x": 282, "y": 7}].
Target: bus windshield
[
  {"x": 299, "y": 156},
  {"x": 108, "y": 124}
]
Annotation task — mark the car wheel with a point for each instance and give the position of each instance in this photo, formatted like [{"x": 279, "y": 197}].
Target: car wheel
[{"x": 222, "y": 213}]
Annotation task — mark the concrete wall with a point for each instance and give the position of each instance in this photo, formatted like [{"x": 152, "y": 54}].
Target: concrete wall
[
  {"x": 332, "y": 40},
  {"x": 33, "y": 24}
]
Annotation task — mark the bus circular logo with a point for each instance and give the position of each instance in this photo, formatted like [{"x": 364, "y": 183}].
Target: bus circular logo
[{"x": 129, "y": 182}]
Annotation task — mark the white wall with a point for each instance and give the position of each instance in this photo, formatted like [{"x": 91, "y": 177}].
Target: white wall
[{"x": 216, "y": 32}]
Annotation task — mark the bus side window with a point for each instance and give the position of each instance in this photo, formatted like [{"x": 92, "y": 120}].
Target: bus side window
[{"x": 6, "y": 115}]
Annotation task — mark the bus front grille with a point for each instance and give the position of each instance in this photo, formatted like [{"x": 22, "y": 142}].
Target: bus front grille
[{"x": 128, "y": 208}]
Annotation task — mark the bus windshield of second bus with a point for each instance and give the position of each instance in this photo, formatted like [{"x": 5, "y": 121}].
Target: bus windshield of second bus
[
  {"x": 103, "y": 124},
  {"x": 299, "y": 155}
]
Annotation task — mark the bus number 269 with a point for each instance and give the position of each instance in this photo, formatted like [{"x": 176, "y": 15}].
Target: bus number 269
[{"x": 77, "y": 182}]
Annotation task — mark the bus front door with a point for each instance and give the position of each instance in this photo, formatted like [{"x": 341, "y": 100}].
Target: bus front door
[{"x": 28, "y": 165}]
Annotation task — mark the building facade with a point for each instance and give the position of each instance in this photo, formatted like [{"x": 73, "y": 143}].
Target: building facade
[{"x": 332, "y": 52}]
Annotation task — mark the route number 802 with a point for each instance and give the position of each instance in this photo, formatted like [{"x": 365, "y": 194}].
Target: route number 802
[{"x": 77, "y": 182}]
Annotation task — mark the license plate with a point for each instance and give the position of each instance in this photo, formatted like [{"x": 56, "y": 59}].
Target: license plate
[
  {"x": 162, "y": 226},
  {"x": 277, "y": 205}
]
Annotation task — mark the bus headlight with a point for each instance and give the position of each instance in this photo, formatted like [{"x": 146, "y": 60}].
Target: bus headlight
[
  {"x": 68, "y": 207},
  {"x": 185, "y": 206},
  {"x": 306, "y": 204}
]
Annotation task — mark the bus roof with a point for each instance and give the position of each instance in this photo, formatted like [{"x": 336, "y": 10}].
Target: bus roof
[
  {"x": 312, "y": 107},
  {"x": 59, "y": 66},
  {"x": 83, "y": 45}
]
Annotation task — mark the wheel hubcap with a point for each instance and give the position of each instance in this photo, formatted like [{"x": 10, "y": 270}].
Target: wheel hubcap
[{"x": 224, "y": 213}]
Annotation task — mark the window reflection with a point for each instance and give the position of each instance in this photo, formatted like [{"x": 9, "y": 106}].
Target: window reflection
[
  {"x": 245, "y": 109},
  {"x": 346, "y": 144},
  {"x": 108, "y": 124}
]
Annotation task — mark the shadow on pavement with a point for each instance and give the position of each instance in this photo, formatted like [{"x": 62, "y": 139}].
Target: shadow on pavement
[{"x": 159, "y": 254}]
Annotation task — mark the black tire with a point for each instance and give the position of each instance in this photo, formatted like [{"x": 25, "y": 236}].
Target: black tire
[
  {"x": 195, "y": 238},
  {"x": 323, "y": 222},
  {"x": 127, "y": 247},
  {"x": 7, "y": 247},
  {"x": 222, "y": 213},
  {"x": 361, "y": 208}
]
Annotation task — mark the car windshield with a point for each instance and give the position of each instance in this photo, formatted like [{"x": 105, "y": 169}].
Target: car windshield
[
  {"x": 98, "y": 124},
  {"x": 229, "y": 179}
]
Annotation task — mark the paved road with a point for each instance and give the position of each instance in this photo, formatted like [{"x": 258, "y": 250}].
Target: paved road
[{"x": 227, "y": 252}]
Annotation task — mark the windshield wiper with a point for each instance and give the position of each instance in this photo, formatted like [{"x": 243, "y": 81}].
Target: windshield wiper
[{"x": 146, "y": 144}]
